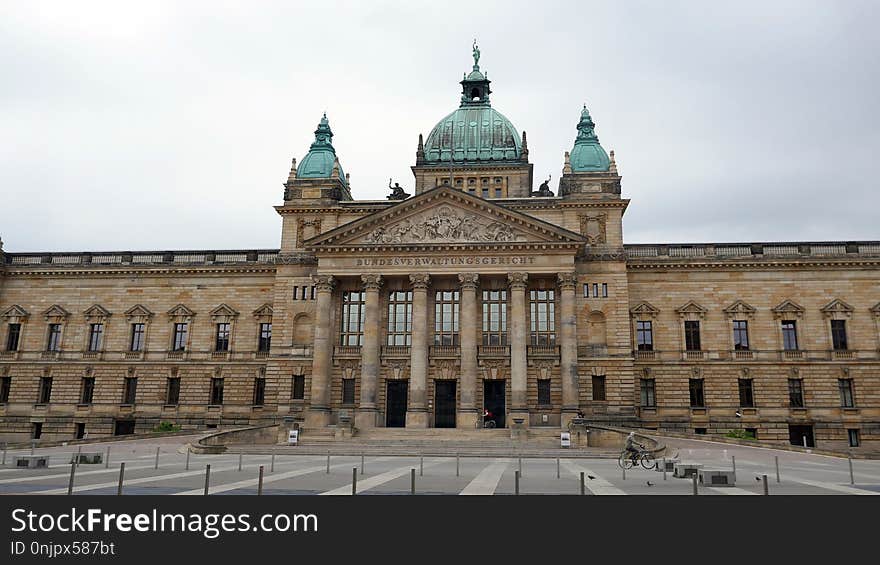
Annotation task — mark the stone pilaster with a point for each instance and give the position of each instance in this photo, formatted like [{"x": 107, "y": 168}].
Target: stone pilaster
[
  {"x": 319, "y": 406},
  {"x": 417, "y": 409},
  {"x": 468, "y": 321},
  {"x": 366, "y": 413},
  {"x": 568, "y": 346},
  {"x": 518, "y": 346}
]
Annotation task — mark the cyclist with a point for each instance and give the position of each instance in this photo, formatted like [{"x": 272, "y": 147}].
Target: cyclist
[
  {"x": 487, "y": 416},
  {"x": 630, "y": 447}
]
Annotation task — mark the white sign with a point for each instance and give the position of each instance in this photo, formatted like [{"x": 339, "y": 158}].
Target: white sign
[
  {"x": 565, "y": 439},
  {"x": 293, "y": 438}
]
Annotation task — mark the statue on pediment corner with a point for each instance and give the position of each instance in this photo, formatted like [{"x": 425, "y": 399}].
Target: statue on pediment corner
[{"x": 397, "y": 192}]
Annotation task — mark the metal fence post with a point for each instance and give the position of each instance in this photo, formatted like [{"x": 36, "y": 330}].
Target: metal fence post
[
  {"x": 583, "y": 486},
  {"x": 78, "y": 454},
  {"x": 363, "y": 466},
  {"x": 187, "y": 458},
  {"x": 156, "y": 466},
  {"x": 516, "y": 481},
  {"x": 664, "y": 468},
  {"x": 733, "y": 461},
  {"x": 777, "y": 468},
  {"x": 107, "y": 459},
  {"x": 694, "y": 477},
  {"x": 852, "y": 478},
  {"x": 412, "y": 481},
  {"x": 766, "y": 488},
  {"x": 260, "y": 482},
  {"x": 33, "y": 445},
  {"x": 520, "y": 465},
  {"x": 623, "y": 472},
  {"x": 328, "y": 462},
  {"x": 272, "y": 464},
  {"x": 354, "y": 481},
  {"x": 557, "y": 467},
  {"x": 239, "y": 462},
  {"x": 121, "y": 477},
  {"x": 70, "y": 482},
  {"x": 421, "y": 465},
  {"x": 207, "y": 477},
  {"x": 457, "y": 473},
  {"x": 5, "y": 447}
]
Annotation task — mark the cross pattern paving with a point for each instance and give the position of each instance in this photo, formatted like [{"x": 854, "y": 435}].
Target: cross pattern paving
[{"x": 290, "y": 473}]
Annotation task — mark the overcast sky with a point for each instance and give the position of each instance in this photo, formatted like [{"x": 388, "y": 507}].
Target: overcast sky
[{"x": 171, "y": 125}]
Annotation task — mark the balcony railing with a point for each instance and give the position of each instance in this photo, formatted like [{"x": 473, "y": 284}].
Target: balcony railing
[
  {"x": 445, "y": 351},
  {"x": 742, "y": 354},
  {"x": 644, "y": 354},
  {"x": 91, "y": 355},
  {"x": 494, "y": 351},
  {"x": 261, "y": 354},
  {"x": 219, "y": 354},
  {"x": 133, "y": 355},
  {"x": 395, "y": 351},
  {"x": 843, "y": 354},
  {"x": 543, "y": 350},
  {"x": 787, "y": 354},
  {"x": 50, "y": 355},
  {"x": 347, "y": 351},
  {"x": 176, "y": 355},
  {"x": 693, "y": 355}
]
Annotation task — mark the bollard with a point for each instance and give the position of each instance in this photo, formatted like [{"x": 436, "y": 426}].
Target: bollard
[
  {"x": 456, "y": 466},
  {"x": 777, "y": 468},
  {"x": 583, "y": 486},
  {"x": 79, "y": 450},
  {"x": 733, "y": 461},
  {"x": 33, "y": 445},
  {"x": 520, "y": 465},
  {"x": 354, "y": 481},
  {"x": 412, "y": 481},
  {"x": 328, "y": 462},
  {"x": 852, "y": 478},
  {"x": 421, "y": 465},
  {"x": 664, "y": 468},
  {"x": 260, "y": 482},
  {"x": 516, "y": 482},
  {"x": 107, "y": 459},
  {"x": 5, "y": 447},
  {"x": 272, "y": 464},
  {"x": 239, "y": 462},
  {"x": 70, "y": 483},
  {"x": 363, "y": 468},
  {"x": 156, "y": 466},
  {"x": 187, "y": 458},
  {"x": 121, "y": 477},
  {"x": 623, "y": 472},
  {"x": 207, "y": 477},
  {"x": 695, "y": 483},
  {"x": 557, "y": 467},
  {"x": 766, "y": 488}
]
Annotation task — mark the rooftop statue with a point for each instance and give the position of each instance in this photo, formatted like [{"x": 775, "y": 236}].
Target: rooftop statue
[
  {"x": 397, "y": 192},
  {"x": 544, "y": 189},
  {"x": 476, "y": 55}
]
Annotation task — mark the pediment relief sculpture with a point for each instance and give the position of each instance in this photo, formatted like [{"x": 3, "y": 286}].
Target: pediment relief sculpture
[{"x": 446, "y": 225}]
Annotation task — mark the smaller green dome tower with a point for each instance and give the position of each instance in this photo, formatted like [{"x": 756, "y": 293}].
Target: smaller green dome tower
[
  {"x": 587, "y": 155},
  {"x": 319, "y": 163}
]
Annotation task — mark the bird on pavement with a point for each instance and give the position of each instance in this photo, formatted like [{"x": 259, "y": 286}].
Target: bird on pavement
[
  {"x": 649, "y": 483},
  {"x": 591, "y": 477},
  {"x": 758, "y": 479}
]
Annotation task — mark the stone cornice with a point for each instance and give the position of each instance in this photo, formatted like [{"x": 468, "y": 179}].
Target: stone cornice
[
  {"x": 103, "y": 271},
  {"x": 703, "y": 265},
  {"x": 423, "y": 248}
]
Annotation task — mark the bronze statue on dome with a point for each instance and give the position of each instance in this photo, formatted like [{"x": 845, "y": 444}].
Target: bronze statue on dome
[
  {"x": 544, "y": 189},
  {"x": 397, "y": 192}
]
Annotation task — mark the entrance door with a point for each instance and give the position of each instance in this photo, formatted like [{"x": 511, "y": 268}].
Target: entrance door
[
  {"x": 796, "y": 435},
  {"x": 493, "y": 400},
  {"x": 444, "y": 404},
  {"x": 395, "y": 404}
]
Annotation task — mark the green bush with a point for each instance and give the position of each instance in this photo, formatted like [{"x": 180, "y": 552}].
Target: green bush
[
  {"x": 167, "y": 427},
  {"x": 740, "y": 434}
]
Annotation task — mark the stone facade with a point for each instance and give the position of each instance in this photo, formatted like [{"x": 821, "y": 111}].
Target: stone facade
[{"x": 381, "y": 314}]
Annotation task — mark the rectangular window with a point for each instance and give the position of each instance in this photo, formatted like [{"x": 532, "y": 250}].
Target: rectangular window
[
  {"x": 543, "y": 317},
  {"x": 846, "y": 393},
  {"x": 789, "y": 335},
  {"x": 88, "y": 390},
  {"x": 595, "y": 290},
  {"x": 45, "y": 394},
  {"x": 644, "y": 336},
  {"x": 796, "y": 393},
  {"x": 299, "y": 387},
  {"x": 648, "y": 397},
  {"x": 172, "y": 391},
  {"x": 853, "y": 436},
  {"x": 400, "y": 317},
  {"x": 700, "y": 431},
  {"x": 221, "y": 339},
  {"x": 698, "y": 400},
  {"x": 54, "y": 341},
  {"x": 13, "y": 336},
  {"x": 265, "y": 341},
  {"x": 353, "y": 312},
  {"x": 746, "y": 393},
  {"x": 598, "y": 388},
  {"x": 96, "y": 337},
  {"x": 498, "y": 192},
  {"x": 838, "y": 335},
  {"x": 485, "y": 192},
  {"x": 296, "y": 293},
  {"x": 753, "y": 432},
  {"x": 5, "y": 386},
  {"x": 741, "y": 335},
  {"x": 80, "y": 430},
  {"x": 586, "y": 290},
  {"x": 312, "y": 296},
  {"x": 180, "y": 334},
  {"x": 129, "y": 393},
  {"x": 446, "y": 303},
  {"x": 348, "y": 391},
  {"x": 494, "y": 317},
  {"x": 36, "y": 430},
  {"x": 692, "y": 335},
  {"x": 604, "y": 290},
  {"x": 136, "y": 343},
  {"x": 544, "y": 391},
  {"x": 217, "y": 391},
  {"x": 259, "y": 391}
]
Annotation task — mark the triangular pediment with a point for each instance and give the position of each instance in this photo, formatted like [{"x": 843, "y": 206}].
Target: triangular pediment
[
  {"x": 788, "y": 307},
  {"x": 875, "y": 309},
  {"x": 97, "y": 311},
  {"x": 15, "y": 311},
  {"x": 56, "y": 311},
  {"x": 181, "y": 311},
  {"x": 691, "y": 307},
  {"x": 444, "y": 216},
  {"x": 264, "y": 311},
  {"x": 740, "y": 307},
  {"x": 837, "y": 306},
  {"x": 224, "y": 310},
  {"x": 139, "y": 310},
  {"x": 644, "y": 309}
]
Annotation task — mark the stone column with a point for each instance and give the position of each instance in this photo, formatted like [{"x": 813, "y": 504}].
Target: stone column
[
  {"x": 319, "y": 404},
  {"x": 366, "y": 413},
  {"x": 468, "y": 322},
  {"x": 417, "y": 409},
  {"x": 518, "y": 346},
  {"x": 568, "y": 346}
]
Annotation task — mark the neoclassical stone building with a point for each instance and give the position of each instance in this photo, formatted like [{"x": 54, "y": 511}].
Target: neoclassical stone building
[{"x": 477, "y": 292}]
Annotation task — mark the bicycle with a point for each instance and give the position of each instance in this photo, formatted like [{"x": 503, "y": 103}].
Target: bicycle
[
  {"x": 486, "y": 423},
  {"x": 628, "y": 460}
]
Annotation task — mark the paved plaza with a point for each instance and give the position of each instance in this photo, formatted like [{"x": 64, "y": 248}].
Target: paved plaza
[{"x": 292, "y": 473}]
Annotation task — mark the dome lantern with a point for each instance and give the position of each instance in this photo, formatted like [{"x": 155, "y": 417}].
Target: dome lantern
[{"x": 587, "y": 155}]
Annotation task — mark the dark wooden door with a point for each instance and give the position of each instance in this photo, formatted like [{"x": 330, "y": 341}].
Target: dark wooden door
[
  {"x": 493, "y": 400},
  {"x": 395, "y": 404},
  {"x": 444, "y": 404}
]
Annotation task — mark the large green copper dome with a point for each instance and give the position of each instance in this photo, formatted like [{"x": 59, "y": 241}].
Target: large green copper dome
[
  {"x": 475, "y": 131},
  {"x": 319, "y": 162},
  {"x": 587, "y": 155}
]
